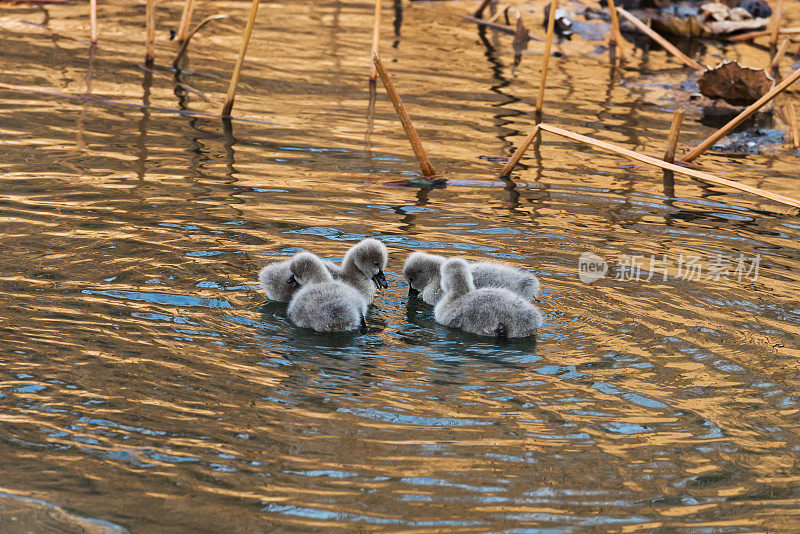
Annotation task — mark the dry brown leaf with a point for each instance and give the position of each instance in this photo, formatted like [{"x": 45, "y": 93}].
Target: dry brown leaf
[{"x": 735, "y": 84}]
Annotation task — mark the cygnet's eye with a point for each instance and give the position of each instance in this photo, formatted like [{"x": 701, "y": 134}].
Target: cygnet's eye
[
  {"x": 376, "y": 264},
  {"x": 410, "y": 278}
]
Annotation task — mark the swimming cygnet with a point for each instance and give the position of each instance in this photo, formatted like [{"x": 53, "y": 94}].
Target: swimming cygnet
[
  {"x": 274, "y": 279},
  {"x": 322, "y": 303},
  {"x": 489, "y": 311},
  {"x": 363, "y": 267},
  {"x": 422, "y": 272}
]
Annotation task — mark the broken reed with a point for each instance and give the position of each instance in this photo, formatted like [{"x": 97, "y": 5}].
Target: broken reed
[
  {"x": 741, "y": 117},
  {"x": 674, "y": 132},
  {"x": 93, "y": 20},
  {"x": 150, "y": 22},
  {"x": 186, "y": 20},
  {"x": 405, "y": 120},
  {"x": 376, "y": 39},
  {"x": 185, "y": 44},
  {"x": 616, "y": 35},
  {"x": 551, "y": 27},
  {"x": 237, "y": 70},
  {"x": 776, "y": 59},
  {"x": 669, "y": 47},
  {"x": 776, "y": 27},
  {"x": 701, "y": 175}
]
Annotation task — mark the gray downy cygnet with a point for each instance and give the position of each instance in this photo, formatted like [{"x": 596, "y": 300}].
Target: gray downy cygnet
[
  {"x": 422, "y": 271},
  {"x": 322, "y": 303},
  {"x": 363, "y": 265},
  {"x": 274, "y": 279},
  {"x": 489, "y": 311}
]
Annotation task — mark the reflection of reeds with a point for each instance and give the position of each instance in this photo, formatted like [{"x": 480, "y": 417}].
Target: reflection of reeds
[
  {"x": 376, "y": 39},
  {"x": 93, "y": 19},
  {"x": 150, "y": 15},
  {"x": 616, "y": 35},
  {"x": 237, "y": 70},
  {"x": 551, "y": 26},
  {"x": 669, "y": 47},
  {"x": 741, "y": 117},
  {"x": 674, "y": 132},
  {"x": 405, "y": 120},
  {"x": 701, "y": 175},
  {"x": 186, "y": 20},
  {"x": 185, "y": 44}
]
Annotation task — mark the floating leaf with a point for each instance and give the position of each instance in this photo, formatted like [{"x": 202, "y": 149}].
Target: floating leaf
[{"x": 735, "y": 84}]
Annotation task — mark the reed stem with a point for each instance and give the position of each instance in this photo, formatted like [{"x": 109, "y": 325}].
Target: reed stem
[
  {"x": 405, "y": 120},
  {"x": 669, "y": 47},
  {"x": 776, "y": 26},
  {"x": 376, "y": 39},
  {"x": 674, "y": 132},
  {"x": 93, "y": 20},
  {"x": 792, "y": 112},
  {"x": 150, "y": 16},
  {"x": 705, "y": 176},
  {"x": 761, "y": 33},
  {"x": 237, "y": 70},
  {"x": 616, "y": 35},
  {"x": 776, "y": 59},
  {"x": 186, "y": 21},
  {"x": 551, "y": 26},
  {"x": 519, "y": 152},
  {"x": 741, "y": 117},
  {"x": 185, "y": 44}
]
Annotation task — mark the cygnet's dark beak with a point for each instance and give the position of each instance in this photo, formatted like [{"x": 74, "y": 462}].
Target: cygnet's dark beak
[
  {"x": 292, "y": 281},
  {"x": 380, "y": 280},
  {"x": 412, "y": 293}
]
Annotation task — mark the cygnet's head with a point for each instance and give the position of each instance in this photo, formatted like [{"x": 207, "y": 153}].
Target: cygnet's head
[
  {"x": 307, "y": 269},
  {"x": 370, "y": 257},
  {"x": 456, "y": 277},
  {"x": 419, "y": 269}
]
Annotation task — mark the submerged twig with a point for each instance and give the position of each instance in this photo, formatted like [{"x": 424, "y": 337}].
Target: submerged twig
[
  {"x": 237, "y": 70},
  {"x": 405, "y": 120},
  {"x": 551, "y": 23},
  {"x": 518, "y": 153},
  {"x": 741, "y": 117},
  {"x": 185, "y": 43},
  {"x": 186, "y": 20},
  {"x": 376, "y": 39},
  {"x": 674, "y": 132},
  {"x": 150, "y": 16},
  {"x": 669, "y": 47}
]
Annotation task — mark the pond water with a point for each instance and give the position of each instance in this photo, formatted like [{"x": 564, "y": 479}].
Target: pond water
[{"x": 142, "y": 388}]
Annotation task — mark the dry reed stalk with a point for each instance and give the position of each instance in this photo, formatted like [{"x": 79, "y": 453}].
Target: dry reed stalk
[
  {"x": 405, "y": 120},
  {"x": 186, "y": 20},
  {"x": 237, "y": 70},
  {"x": 792, "y": 112},
  {"x": 776, "y": 59},
  {"x": 776, "y": 27},
  {"x": 674, "y": 132},
  {"x": 185, "y": 44},
  {"x": 150, "y": 16},
  {"x": 741, "y": 117},
  {"x": 376, "y": 39},
  {"x": 551, "y": 26},
  {"x": 706, "y": 177},
  {"x": 669, "y": 47},
  {"x": 518, "y": 153},
  {"x": 616, "y": 35},
  {"x": 93, "y": 19},
  {"x": 761, "y": 33}
]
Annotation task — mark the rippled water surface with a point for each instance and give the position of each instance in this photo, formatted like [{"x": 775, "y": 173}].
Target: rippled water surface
[{"x": 142, "y": 387}]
